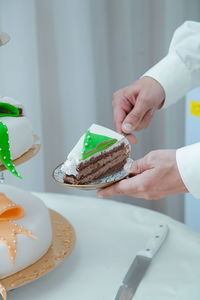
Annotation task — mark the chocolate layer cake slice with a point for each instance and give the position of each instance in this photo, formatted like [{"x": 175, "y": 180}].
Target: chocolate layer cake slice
[{"x": 98, "y": 153}]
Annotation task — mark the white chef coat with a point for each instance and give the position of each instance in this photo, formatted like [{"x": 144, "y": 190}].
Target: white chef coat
[{"x": 178, "y": 72}]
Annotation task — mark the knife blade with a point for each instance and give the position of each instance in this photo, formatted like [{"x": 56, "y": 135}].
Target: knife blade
[{"x": 140, "y": 264}]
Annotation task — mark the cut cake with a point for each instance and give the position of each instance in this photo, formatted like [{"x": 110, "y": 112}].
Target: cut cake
[{"x": 99, "y": 152}]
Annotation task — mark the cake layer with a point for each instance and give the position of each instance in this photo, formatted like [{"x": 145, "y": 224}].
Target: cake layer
[
  {"x": 37, "y": 220},
  {"x": 20, "y": 135},
  {"x": 116, "y": 151},
  {"x": 113, "y": 157},
  {"x": 105, "y": 171},
  {"x": 98, "y": 167}
]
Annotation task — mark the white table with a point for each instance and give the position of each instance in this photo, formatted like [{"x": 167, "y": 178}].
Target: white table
[{"x": 109, "y": 234}]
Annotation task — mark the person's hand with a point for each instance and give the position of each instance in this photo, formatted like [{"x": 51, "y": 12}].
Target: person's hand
[
  {"x": 134, "y": 105},
  {"x": 156, "y": 176}
]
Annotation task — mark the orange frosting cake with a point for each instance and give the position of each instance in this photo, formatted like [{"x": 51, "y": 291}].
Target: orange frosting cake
[{"x": 25, "y": 231}]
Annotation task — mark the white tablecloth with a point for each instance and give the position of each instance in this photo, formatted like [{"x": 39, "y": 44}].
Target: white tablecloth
[{"x": 109, "y": 234}]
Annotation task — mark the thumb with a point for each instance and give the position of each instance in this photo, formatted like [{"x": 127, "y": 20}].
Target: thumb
[
  {"x": 133, "y": 119},
  {"x": 135, "y": 167}
]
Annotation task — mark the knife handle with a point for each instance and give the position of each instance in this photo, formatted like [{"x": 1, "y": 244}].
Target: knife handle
[{"x": 156, "y": 241}]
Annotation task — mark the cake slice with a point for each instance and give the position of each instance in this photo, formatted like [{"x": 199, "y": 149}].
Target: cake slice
[{"x": 98, "y": 153}]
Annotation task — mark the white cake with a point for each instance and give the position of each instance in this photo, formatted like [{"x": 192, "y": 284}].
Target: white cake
[
  {"x": 36, "y": 219},
  {"x": 19, "y": 130},
  {"x": 20, "y": 135},
  {"x": 79, "y": 170}
]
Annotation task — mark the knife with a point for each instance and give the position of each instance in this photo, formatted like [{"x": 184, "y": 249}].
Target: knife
[{"x": 140, "y": 264}]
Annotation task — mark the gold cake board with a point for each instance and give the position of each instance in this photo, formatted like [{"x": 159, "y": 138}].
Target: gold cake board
[{"x": 62, "y": 245}]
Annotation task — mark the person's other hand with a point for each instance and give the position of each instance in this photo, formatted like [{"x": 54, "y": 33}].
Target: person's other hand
[
  {"x": 156, "y": 176},
  {"x": 134, "y": 105}
]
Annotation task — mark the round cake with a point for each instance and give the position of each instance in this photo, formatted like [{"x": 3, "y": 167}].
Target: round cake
[
  {"x": 25, "y": 230},
  {"x": 16, "y": 134}
]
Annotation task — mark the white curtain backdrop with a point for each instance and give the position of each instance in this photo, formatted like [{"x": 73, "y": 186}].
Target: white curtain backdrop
[{"x": 64, "y": 61}]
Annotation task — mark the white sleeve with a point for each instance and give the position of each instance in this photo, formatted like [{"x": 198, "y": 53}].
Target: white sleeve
[
  {"x": 179, "y": 71},
  {"x": 188, "y": 161}
]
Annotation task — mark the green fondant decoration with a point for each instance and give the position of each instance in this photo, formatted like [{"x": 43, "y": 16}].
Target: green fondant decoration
[
  {"x": 8, "y": 110},
  {"x": 94, "y": 143},
  {"x": 5, "y": 150}
]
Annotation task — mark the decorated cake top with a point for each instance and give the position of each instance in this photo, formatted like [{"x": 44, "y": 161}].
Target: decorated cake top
[
  {"x": 94, "y": 143},
  {"x": 7, "y": 110},
  {"x": 96, "y": 139},
  {"x": 9, "y": 100}
]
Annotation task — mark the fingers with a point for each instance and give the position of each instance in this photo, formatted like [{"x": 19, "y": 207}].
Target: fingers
[
  {"x": 123, "y": 103},
  {"x": 119, "y": 116},
  {"x": 131, "y": 186},
  {"x": 118, "y": 188},
  {"x": 135, "y": 116},
  {"x": 134, "y": 105},
  {"x": 136, "y": 167},
  {"x": 131, "y": 138},
  {"x": 120, "y": 108},
  {"x": 146, "y": 120}
]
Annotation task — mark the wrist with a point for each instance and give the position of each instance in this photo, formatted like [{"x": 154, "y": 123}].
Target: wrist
[
  {"x": 159, "y": 90},
  {"x": 168, "y": 73}
]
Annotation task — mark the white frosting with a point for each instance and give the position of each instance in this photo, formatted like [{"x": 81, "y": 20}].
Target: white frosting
[
  {"x": 36, "y": 219},
  {"x": 9, "y": 100},
  {"x": 19, "y": 130},
  {"x": 74, "y": 157},
  {"x": 20, "y": 135}
]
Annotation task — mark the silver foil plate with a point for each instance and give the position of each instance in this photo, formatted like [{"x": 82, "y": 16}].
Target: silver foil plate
[{"x": 94, "y": 185}]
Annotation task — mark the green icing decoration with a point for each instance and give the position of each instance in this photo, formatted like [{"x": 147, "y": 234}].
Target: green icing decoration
[
  {"x": 5, "y": 151},
  {"x": 94, "y": 143},
  {"x": 8, "y": 110},
  {"x": 5, "y": 111}
]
